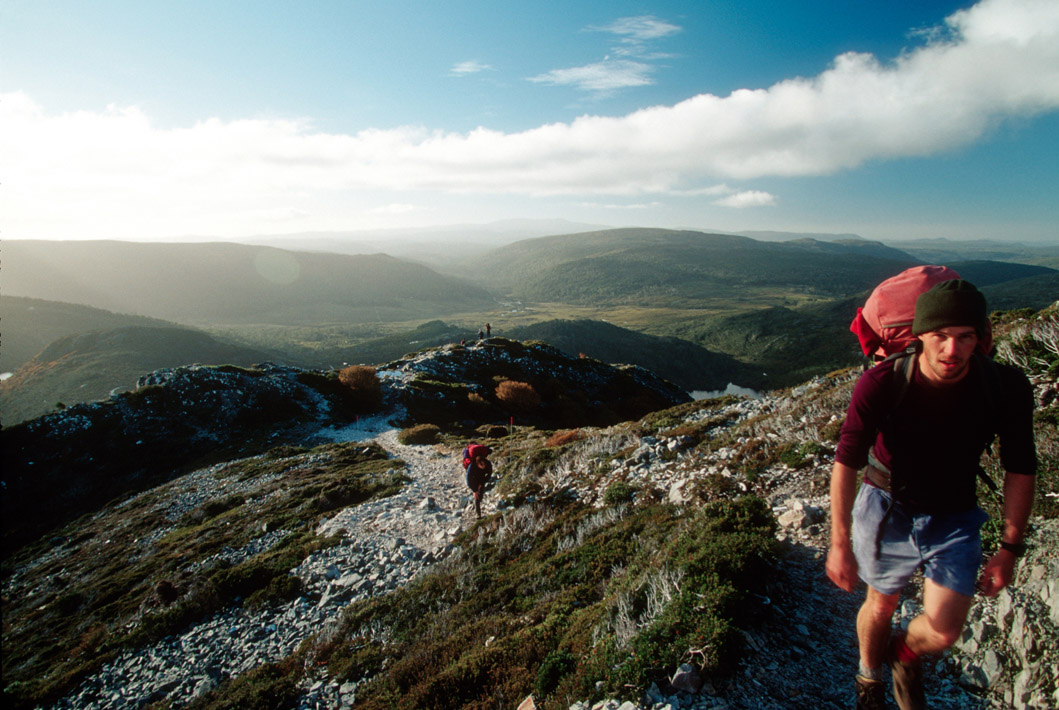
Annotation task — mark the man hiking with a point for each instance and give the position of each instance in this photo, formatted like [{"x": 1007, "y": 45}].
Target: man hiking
[
  {"x": 479, "y": 469},
  {"x": 919, "y": 444}
]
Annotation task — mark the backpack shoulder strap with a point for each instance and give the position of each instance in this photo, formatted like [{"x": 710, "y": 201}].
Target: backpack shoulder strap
[
  {"x": 993, "y": 396},
  {"x": 904, "y": 371}
]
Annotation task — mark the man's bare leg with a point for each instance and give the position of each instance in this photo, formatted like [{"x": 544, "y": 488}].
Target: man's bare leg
[
  {"x": 942, "y": 620},
  {"x": 873, "y": 627}
]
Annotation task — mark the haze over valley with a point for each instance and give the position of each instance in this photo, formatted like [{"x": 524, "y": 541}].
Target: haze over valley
[{"x": 84, "y": 319}]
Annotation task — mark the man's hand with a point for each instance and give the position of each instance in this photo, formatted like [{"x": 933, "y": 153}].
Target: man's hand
[
  {"x": 997, "y": 573},
  {"x": 842, "y": 566}
]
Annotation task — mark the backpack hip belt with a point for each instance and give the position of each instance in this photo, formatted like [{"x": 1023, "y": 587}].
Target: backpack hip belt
[{"x": 878, "y": 477}]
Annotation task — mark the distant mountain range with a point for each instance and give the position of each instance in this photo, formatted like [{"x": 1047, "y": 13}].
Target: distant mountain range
[
  {"x": 233, "y": 283},
  {"x": 664, "y": 268},
  {"x": 84, "y": 319},
  {"x": 657, "y": 267}
]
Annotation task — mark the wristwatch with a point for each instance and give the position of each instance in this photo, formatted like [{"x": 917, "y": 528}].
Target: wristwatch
[{"x": 1016, "y": 548}]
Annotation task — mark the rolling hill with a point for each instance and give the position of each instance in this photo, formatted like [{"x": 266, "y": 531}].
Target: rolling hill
[
  {"x": 680, "y": 268},
  {"x": 658, "y": 267},
  {"x": 217, "y": 283},
  {"x": 90, "y": 366},
  {"x": 31, "y": 324},
  {"x": 679, "y": 361}
]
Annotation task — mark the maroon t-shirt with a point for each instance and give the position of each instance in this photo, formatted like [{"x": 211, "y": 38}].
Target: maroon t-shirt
[{"x": 933, "y": 441}]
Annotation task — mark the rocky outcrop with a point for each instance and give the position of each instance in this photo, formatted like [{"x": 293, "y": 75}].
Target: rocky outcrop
[
  {"x": 70, "y": 462},
  {"x": 458, "y": 383}
]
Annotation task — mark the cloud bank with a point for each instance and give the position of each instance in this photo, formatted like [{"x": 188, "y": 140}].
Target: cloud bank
[{"x": 995, "y": 61}]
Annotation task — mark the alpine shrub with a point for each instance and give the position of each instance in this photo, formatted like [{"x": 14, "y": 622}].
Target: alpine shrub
[
  {"x": 618, "y": 492},
  {"x": 420, "y": 434},
  {"x": 555, "y": 665},
  {"x": 560, "y": 438},
  {"x": 364, "y": 386},
  {"x": 518, "y": 396}
]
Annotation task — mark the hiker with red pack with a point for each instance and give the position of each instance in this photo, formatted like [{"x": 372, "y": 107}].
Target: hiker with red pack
[
  {"x": 916, "y": 428},
  {"x": 479, "y": 469}
]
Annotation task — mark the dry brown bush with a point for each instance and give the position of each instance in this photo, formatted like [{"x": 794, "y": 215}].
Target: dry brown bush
[
  {"x": 518, "y": 396},
  {"x": 419, "y": 434},
  {"x": 560, "y": 438},
  {"x": 363, "y": 383}
]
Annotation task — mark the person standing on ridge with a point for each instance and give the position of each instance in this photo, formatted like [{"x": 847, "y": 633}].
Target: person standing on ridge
[
  {"x": 919, "y": 444},
  {"x": 479, "y": 469},
  {"x": 488, "y": 330}
]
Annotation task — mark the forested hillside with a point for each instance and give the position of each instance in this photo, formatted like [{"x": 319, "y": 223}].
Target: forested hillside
[{"x": 664, "y": 267}]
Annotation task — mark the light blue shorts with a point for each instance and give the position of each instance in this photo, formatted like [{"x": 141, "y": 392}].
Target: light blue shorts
[{"x": 947, "y": 546}]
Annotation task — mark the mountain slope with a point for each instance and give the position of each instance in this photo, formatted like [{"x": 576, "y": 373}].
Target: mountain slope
[
  {"x": 91, "y": 366},
  {"x": 233, "y": 283},
  {"x": 30, "y": 324},
  {"x": 679, "y": 361},
  {"x": 942, "y": 251},
  {"x": 656, "y": 267}
]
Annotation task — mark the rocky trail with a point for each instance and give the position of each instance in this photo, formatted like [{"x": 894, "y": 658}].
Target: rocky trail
[{"x": 801, "y": 652}]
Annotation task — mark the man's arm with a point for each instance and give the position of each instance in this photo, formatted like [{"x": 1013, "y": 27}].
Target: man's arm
[
  {"x": 1018, "y": 501},
  {"x": 841, "y": 564}
]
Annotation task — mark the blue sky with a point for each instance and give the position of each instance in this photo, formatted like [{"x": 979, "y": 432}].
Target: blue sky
[{"x": 887, "y": 118}]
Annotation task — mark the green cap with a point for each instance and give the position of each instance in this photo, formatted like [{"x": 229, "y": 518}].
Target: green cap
[{"x": 951, "y": 303}]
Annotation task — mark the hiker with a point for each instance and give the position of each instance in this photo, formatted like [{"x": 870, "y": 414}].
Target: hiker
[
  {"x": 479, "y": 469},
  {"x": 916, "y": 506},
  {"x": 488, "y": 330},
  {"x": 480, "y": 334}
]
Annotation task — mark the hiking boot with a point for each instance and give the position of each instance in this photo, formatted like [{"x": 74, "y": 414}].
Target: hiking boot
[
  {"x": 870, "y": 694},
  {"x": 908, "y": 680}
]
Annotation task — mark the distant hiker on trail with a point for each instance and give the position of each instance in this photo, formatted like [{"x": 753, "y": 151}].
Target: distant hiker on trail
[
  {"x": 480, "y": 334},
  {"x": 915, "y": 429},
  {"x": 479, "y": 469},
  {"x": 488, "y": 330}
]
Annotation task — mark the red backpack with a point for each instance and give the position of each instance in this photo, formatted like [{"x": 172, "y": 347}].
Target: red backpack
[
  {"x": 473, "y": 451},
  {"x": 884, "y": 323}
]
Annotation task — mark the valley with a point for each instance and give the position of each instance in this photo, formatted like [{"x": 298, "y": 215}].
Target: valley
[{"x": 758, "y": 314}]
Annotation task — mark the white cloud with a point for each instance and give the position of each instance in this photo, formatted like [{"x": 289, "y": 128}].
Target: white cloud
[
  {"x": 629, "y": 70},
  {"x": 468, "y": 67},
  {"x": 747, "y": 198},
  {"x": 615, "y": 206},
  {"x": 641, "y": 28},
  {"x": 601, "y": 77},
  {"x": 395, "y": 208},
  {"x": 88, "y": 171},
  {"x": 710, "y": 191}
]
